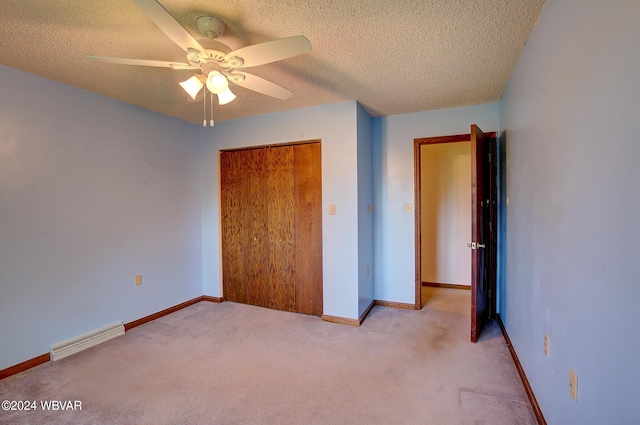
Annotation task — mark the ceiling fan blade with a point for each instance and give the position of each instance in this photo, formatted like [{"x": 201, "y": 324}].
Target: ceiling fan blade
[
  {"x": 142, "y": 62},
  {"x": 259, "y": 84},
  {"x": 172, "y": 28},
  {"x": 270, "y": 51}
]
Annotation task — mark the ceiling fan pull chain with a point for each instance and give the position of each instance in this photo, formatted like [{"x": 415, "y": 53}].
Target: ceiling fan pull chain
[
  {"x": 211, "y": 109},
  {"x": 204, "y": 108}
]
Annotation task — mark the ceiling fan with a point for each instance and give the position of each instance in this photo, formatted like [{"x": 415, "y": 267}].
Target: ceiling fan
[{"x": 214, "y": 62}]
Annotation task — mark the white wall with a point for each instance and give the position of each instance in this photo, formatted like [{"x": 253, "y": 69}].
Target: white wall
[
  {"x": 445, "y": 193},
  {"x": 365, "y": 211},
  {"x": 92, "y": 192},
  {"x": 393, "y": 173},
  {"x": 336, "y": 126},
  {"x": 570, "y": 112}
]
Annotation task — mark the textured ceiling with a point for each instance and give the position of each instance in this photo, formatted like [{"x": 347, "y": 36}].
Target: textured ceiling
[{"x": 391, "y": 56}]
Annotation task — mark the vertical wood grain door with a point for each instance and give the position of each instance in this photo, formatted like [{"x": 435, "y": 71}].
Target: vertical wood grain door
[
  {"x": 271, "y": 219},
  {"x": 257, "y": 243},
  {"x": 308, "y": 228},
  {"x": 234, "y": 234},
  {"x": 480, "y": 296},
  {"x": 280, "y": 210}
]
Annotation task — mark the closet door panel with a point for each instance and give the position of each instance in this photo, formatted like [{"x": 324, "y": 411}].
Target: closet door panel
[
  {"x": 257, "y": 249},
  {"x": 232, "y": 184},
  {"x": 308, "y": 228},
  {"x": 280, "y": 206}
]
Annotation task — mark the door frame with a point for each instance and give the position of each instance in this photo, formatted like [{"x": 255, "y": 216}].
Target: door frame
[{"x": 417, "y": 143}]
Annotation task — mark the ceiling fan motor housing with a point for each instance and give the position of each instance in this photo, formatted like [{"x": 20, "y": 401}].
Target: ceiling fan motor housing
[{"x": 210, "y": 27}]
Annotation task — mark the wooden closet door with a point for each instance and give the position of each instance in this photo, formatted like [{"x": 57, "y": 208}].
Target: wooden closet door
[
  {"x": 255, "y": 221},
  {"x": 234, "y": 235},
  {"x": 271, "y": 203},
  {"x": 308, "y": 228},
  {"x": 280, "y": 185}
]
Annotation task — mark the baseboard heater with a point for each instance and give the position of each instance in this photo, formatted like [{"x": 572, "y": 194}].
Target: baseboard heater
[{"x": 67, "y": 348}]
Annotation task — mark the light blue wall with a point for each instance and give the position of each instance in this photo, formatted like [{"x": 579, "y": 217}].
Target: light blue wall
[
  {"x": 92, "y": 192},
  {"x": 365, "y": 214},
  {"x": 393, "y": 173},
  {"x": 336, "y": 126},
  {"x": 571, "y": 112}
]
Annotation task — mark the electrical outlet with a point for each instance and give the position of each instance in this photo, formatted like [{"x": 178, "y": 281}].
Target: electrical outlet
[
  {"x": 573, "y": 385},
  {"x": 138, "y": 279},
  {"x": 546, "y": 345}
]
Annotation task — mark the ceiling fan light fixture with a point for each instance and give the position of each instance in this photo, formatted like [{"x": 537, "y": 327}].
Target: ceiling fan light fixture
[
  {"x": 217, "y": 83},
  {"x": 192, "y": 86},
  {"x": 225, "y": 97}
]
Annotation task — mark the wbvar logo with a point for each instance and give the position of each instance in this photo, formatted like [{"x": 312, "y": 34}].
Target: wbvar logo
[{"x": 61, "y": 405}]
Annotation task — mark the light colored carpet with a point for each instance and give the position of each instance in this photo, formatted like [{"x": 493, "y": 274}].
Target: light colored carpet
[{"x": 237, "y": 364}]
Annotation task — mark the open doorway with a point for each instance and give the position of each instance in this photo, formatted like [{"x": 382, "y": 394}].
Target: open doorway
[{"x": 445, "y": 214}]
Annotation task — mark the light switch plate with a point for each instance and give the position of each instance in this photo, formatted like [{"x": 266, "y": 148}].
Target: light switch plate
[
  {"x": 573, "y": 385},
  {"x": 546, "y": 345},
  {"x": 332, "y": 209},
  {"x": 408, "y": 207}
]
